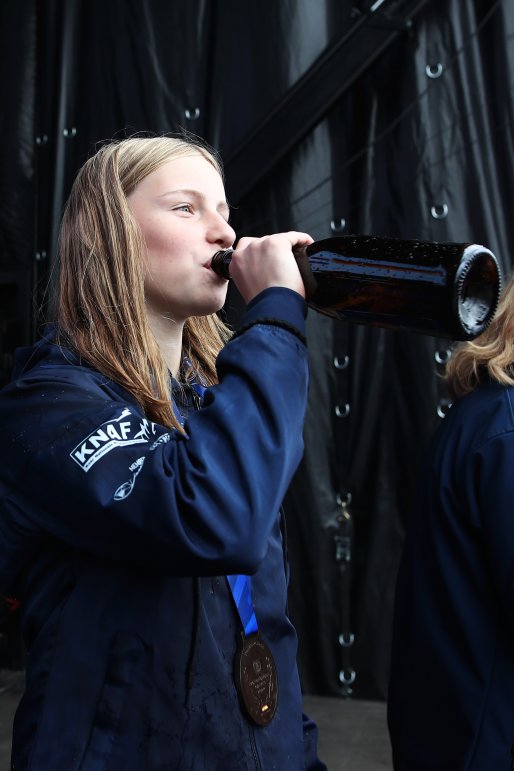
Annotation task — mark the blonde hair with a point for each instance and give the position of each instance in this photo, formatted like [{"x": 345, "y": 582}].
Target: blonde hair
[
  {"x": 100, "y": 302},
  {"x": 491, "y": 355}
]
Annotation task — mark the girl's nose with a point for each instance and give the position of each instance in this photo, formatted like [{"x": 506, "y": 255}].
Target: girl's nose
[{"x": 221, "y": 232}]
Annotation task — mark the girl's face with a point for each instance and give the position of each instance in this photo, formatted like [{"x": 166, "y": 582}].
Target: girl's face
[{"x": 183, "y": 214}]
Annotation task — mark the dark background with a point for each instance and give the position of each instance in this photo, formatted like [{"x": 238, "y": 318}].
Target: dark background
[{"x": 333, "y": 117}]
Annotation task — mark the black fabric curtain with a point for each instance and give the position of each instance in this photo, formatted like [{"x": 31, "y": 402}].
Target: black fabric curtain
[{"x": 419, "y": 145}]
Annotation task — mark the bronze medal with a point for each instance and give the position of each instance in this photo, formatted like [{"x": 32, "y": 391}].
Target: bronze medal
[{"x": 255, "y": 675}]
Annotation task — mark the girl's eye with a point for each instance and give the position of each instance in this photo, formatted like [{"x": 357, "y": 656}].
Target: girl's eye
[{"x": 184, "y": 207}]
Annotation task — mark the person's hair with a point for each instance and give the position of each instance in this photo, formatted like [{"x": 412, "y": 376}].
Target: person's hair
[
  {"x": 99, "y": 303},
  {"x": 489, "y": 356}
]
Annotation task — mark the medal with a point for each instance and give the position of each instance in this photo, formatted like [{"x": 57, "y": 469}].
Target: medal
[
  {"x": 255, "y": 673},
  {"x": 255, "y": 676}
]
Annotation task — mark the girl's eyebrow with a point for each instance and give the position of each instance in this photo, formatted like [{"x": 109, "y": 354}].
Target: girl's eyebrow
[{"x": 222, "y": 207}]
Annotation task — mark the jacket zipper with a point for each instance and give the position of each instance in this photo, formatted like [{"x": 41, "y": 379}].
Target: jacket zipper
[{"x": 258, "y": 766}]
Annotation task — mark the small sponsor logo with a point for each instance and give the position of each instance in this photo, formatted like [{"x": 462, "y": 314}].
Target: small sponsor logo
[
  {"x": 119, "y": 432},
  {"x": 126, "y": 488},
  {"x": 162, "y": 439}
]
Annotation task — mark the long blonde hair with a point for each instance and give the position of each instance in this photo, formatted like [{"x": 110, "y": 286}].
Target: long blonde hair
[
  {"x": 100, "y": 301},
  {"x": 491, "y": 355}
]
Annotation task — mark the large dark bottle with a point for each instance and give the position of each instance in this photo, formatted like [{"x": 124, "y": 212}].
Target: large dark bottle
[{"x": 441, "y": 289}]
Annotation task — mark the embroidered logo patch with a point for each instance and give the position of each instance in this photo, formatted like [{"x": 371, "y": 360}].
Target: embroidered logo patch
[{"x": 123, "y": 430}]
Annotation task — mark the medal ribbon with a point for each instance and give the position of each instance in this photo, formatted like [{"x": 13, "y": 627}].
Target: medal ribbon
[
  {"x": 241, "y": 589},
  {"x": 240, "y": 585}
]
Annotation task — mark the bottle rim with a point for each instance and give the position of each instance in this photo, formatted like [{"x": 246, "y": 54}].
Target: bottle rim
[{"x": 471, "y": 295}]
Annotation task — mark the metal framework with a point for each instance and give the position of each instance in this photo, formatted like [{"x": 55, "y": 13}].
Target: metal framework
[{"x": 312, "y": 96}]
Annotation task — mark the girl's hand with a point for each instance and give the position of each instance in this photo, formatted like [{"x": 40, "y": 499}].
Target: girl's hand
[{"x": 259, "y": 263}]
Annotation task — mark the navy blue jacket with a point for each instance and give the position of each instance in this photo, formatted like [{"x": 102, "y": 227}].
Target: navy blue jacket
[
  {"x": 451, "y": 698},
  {"x": 116, "y": 535}
]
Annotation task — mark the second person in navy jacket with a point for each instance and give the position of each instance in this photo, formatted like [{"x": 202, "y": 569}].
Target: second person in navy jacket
[{"x": 451, "y": 695}]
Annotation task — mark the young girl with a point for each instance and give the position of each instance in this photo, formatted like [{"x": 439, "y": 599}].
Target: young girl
[{"x": 142, "y": 480}]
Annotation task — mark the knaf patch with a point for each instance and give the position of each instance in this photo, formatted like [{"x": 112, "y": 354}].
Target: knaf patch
[{"x": 123, "y": 430}]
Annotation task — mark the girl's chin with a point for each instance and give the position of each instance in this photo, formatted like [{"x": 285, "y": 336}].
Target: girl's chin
[
  {"x": 208, "y": 306},
  {"x": 219, "y": 298},
  {"x": 207, "y": 309}
]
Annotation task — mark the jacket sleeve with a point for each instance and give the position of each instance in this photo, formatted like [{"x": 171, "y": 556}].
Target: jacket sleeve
[{"x": 90, "y": 471}]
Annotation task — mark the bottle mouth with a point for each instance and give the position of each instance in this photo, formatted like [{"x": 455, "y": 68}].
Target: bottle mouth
[
  {"x": 478, "y": 281},
  {"x": 220, "y": 263}
]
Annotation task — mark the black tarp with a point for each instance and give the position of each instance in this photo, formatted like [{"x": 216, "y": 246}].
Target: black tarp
[{"x": 415, "y": 141}]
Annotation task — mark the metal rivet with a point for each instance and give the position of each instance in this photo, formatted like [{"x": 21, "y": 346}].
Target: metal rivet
[
  {"x": 41, "y": 255},
  {"x": 192, "y": 114},
  {"x": 434, "y": 70},
  {"x": 345, "y": 678},
  {"x": 442, "y": 357},
  {"x": 337, "y": 226},
  {"x": 338, "y": 364},
  {"x": 443, "y": 407},
  {"x": 342, "y": 413},
  {"x": 439, "y": 211},
  {"x": 345, "y": 640},
  {"x": 42, "y": 140},
  {"x": 69, "y": 133}
]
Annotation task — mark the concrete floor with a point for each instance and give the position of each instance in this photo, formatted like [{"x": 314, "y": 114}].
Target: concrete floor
[
  {"x": 11, "y": 687},
  {"x": 353, "y": 733}
]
